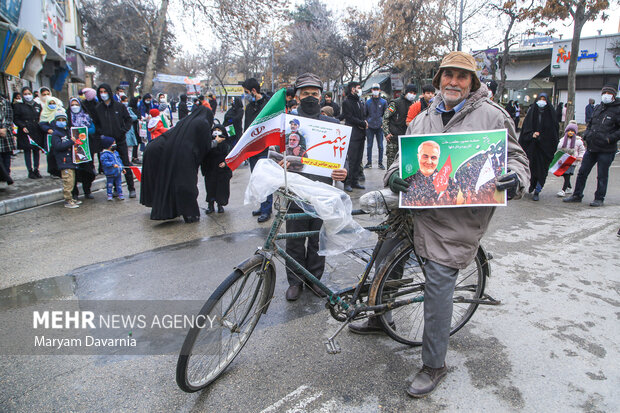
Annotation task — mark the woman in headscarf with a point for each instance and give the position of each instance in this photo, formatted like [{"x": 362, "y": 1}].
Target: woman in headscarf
[
  {"x": 133, "y": 105},
  {"x": 539, "y": 139},
  {"x": 170, "y": 168},
  {"x": 215, "y": 171},
  {"x": 183, "y": 109},
  {"x": 26, "y": 118},
  {"x": 85, "y": 171},
  {"x": 49, "y": 108},
  {"x": 234, "y": 116}
]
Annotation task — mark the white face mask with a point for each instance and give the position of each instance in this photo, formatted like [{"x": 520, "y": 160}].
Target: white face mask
[
  {"x": 541, "y": 103},
  {"x": 162, "y": 100},
  {"x": 75, "y": 109},
  {"x": 376, "y": 93},
  {"x": 489, "y": 94},
  {"x": 28, "y": 98},
  {"x": 121, "y": 94},
  {"x": 359, "y": 92},
  {"x": 19, "y": 101},
  {"x": 607, "y": 98},
  {"x": 217, "y": 133},
  {"x": 410, "y": 97}
]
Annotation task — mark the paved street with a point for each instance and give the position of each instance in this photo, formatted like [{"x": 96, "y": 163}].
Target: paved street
[{"x": 552, "y": 345}]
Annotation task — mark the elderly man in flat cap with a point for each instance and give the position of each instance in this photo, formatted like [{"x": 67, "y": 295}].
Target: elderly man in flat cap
[{"x": 447, "y": 239}]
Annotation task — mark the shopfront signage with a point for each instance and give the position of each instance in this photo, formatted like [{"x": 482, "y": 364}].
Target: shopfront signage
[
  {"x": 595, "y": 56},
  {"x": 585, "y": 55}
]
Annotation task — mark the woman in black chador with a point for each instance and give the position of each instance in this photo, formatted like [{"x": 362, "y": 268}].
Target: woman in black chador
[
  {"x": 217, "y": 174},
  {"x": 170, "y": 168},
  {"x": 539, "y": 139}
]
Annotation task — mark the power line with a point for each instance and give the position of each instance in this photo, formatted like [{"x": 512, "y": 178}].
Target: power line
[{"x": 103, "y": 61}]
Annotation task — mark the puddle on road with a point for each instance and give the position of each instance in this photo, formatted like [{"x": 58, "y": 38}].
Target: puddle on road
[{"x": 55, "y": 288}]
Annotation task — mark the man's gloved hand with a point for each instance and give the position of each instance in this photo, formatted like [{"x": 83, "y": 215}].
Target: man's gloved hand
[
  {"x": 397, "y": 184},
  {"x": 508, "y": 182}
]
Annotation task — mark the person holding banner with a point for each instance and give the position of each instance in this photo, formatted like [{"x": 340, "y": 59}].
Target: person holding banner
[
  {"x": 62, "y": 147},
  {"x": 308, "y": 88},
  {"x": 84, "y": 172},
  {"x": 447, "y": 239}
]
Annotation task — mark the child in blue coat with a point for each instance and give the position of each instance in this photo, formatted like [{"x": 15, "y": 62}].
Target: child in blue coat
[{"x": 112, "y": 167}]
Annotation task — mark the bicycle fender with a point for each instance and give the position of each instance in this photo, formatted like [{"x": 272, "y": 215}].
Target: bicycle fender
[{"x": 253, "y": 261}]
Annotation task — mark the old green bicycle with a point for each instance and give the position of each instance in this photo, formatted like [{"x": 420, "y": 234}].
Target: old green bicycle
[{"x": 395, "y": 295}]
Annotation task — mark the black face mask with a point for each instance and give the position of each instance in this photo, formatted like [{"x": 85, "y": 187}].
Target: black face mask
[{"x": 310, "y": 106}]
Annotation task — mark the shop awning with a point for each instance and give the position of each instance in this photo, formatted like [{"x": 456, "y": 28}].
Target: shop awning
[
  {"x": 518, "y": 76},
  {"x": 379, "y": 78},
  {"x": 25, "y": 56}
]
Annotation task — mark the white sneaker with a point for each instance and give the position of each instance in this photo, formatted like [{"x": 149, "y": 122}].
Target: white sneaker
[
  {"x": 71, "y": 204},
  {"x": 561, "y": 193},
  {"x": 568, "y": 191}
]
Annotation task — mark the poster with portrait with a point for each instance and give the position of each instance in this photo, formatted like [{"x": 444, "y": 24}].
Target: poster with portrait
[
  {"x": 81, "y": 149},
  {"x": 453, "y": 170},
  {"x": 314, "y": 146}
]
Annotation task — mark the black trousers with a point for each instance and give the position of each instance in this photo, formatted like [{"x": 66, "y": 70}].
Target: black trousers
[
  {"x": 354, "y": 158},
  {"x": 304, "y": 250},
  {"x": 123, "y": 151}
]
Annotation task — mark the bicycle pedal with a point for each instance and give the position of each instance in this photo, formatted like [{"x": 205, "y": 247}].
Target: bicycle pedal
[{"x": 332, "y": 347}]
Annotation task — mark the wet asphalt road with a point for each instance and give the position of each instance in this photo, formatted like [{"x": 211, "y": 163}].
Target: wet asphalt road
[{"x": 551, "y": 346}]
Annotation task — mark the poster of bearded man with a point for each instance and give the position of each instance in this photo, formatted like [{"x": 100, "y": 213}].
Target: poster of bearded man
[{"x": 453, "y": 170}]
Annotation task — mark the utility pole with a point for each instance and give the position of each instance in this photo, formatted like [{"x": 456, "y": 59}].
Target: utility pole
[
  {"x": 460, "y": 45},
  {"x": 272, "y": 65}
]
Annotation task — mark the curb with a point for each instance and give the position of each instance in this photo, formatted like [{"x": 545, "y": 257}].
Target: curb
[{"x": 41, "y": 198}]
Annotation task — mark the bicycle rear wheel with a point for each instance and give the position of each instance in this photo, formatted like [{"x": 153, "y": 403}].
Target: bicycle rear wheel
[
  {"x": 401, "y": 278},
  {"x": 229, "y": 315}
]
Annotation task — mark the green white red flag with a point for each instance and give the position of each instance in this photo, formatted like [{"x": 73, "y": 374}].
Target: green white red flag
[
  {"x": 266, "y": 130},
  {"x": 561, "y": 162}
]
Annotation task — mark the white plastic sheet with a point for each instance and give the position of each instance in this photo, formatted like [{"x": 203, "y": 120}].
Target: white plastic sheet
[
  {"x": 379, "y": 202},
  {"x": 340, "y": 232}
]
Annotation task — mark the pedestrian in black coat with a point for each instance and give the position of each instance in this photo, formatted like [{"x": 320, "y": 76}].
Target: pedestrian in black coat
[
  {"x": 26, "y": 118},
  {"x": 539, "y": 139},
  {"x": 215, "y": 171},
  {"x": 183, "y": 109},
  {"x": 234, "y": 116},
  {"x": 112, "y": 119},
  {"x": 354, "y": 115}
]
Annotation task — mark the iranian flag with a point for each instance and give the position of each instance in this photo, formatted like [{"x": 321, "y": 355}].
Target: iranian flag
[
  {"x": 266, "y": 130},
  {"x": 561, "y": 162}
]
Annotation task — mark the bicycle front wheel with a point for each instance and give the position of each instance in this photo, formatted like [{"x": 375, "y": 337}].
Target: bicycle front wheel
[
  {"x": 401, "y": 278},
  {"x": 228, "y": 319}
]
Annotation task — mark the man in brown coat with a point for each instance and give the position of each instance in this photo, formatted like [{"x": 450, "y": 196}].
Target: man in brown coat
[{"x": 448, "y": 238}]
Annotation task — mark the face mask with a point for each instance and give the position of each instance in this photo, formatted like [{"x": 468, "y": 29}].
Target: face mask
[
  {"x": 375, "y": 93},
  {"x": 489, "y": 94},
  {"x": 61, "y": 124},
  {"x": 162, "y": 100},
  {"x": 217, "y": 133},
  {"x": 104, "y": 96},
  {"x": 52, "y": 106},
  {"x": 126, "y": 104},
  {"x": 148, "y": 102},
  {"x": 607, "y": 98},
  {"x": 359, "y": 92},
  {"x": 19, "y": 101},
  {"x": 28, "y": 98},
  {"x": 410, "y": 97},
  {"x": 310, "y": 106},
  {"x": 121, "y": 94},
  {"x": 541, "y": 103},
  {"x": 113, "y": 147},
  {"x": 75, "y": 109}
]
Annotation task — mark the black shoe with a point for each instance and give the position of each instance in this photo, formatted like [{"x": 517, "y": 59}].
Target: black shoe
[
  {"x": 317, "y": 291},
  {"x": 220, "y": 209},
  {"x": 210, "y": 209},
  {"x": 361, "y": 178},
  {"x": 256, "y": 213},
  {"x": 88, "y": 195},
  {"x": 572, "y": 198},
  {"x": 535, "y": 197},
  {"x": 114, "y": 193},
  {"x": 381, "y": 166},
  {"x": 426, "y": 381},
  {"x": 368, "y": 165},
  {"x": 371, "y": 326},
  {"x": 348, "y": 188},
  {"x": 31, "y": 175},
  {"x": 190, "y": 219},
  {"x": 264, "y": 218},
  {"x": 293, "y": 292},
  {"x": 618, "y": 234},
  {"x": 37, "y": 175},
  {"x": 132, "y": 193},
  {"x": 596, "y": 203},
  {"x": 358, "y": 186}
]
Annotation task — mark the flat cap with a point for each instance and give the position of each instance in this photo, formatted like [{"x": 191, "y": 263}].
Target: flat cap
[
  {"x": 458, "y": 60},
  {"x": 308, "y": 80}
]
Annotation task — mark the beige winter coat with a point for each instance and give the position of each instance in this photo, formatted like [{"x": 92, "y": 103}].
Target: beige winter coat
[{"x": 450, "y": 236}]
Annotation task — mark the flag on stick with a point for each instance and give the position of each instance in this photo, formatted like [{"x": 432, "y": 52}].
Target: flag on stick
[
  {"x": 137, "y": 172},
  {"x": 33, "y": 143},
  {"x": 561, "y": 162},
  {"x": 266, "y": 130}
]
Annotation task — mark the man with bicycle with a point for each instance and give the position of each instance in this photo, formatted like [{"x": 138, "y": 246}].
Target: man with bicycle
[{"x": 447, "y": 239}]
